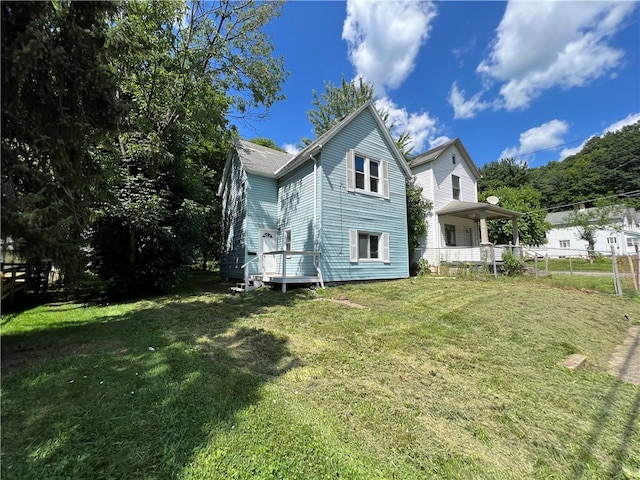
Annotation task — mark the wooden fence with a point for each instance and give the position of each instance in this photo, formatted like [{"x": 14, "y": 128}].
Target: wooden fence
[{"x": 23, "y": 278}]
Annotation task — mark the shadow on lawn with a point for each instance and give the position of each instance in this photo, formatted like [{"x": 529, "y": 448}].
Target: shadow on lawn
[
  {"x": 621, "y": 455},
  {"x": 136, "y": 395}
]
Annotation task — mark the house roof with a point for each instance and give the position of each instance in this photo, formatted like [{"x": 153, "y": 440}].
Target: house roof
[
  {"x": 272, "y": 163},
  {"x": 557, "y": 219},
  {"x": 457, "y": 208},
  {"x": 316, "y": 145},
  {"x": 435, "y": 153},
  {"x": 259, "y": 159}
]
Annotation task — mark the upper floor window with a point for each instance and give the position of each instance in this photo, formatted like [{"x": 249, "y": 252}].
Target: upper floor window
[
  {"x": 565, "y": 243},
  {"x": 453, "y": 159},
  {"x": 455, "y": 184},
  {"x": 630, "y": 242},
  {"x": 367, "y": 175},
  {"x": 612, "y": 240}
]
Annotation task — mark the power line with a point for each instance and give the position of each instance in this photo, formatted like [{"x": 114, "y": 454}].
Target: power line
[{"x": 633, "y": 193}]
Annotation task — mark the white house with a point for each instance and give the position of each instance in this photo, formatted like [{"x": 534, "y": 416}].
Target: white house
[
  {"x": 457, "y": 225},
  {"x": 564, "y": 240}
]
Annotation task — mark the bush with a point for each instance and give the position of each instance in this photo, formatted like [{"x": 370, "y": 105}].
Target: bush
[
  {"x": 423, "y": 267},
  {"x": 512, "y": 264}
]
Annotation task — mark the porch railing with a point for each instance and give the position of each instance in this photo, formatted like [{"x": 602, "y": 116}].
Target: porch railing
[{"x": 292, "y": 265}]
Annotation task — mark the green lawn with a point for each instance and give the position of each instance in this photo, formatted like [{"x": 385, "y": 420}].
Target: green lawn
[{"x": 434, "y": 377}]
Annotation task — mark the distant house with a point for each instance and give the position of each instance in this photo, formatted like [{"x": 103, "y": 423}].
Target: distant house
[
  {"x": 563, "y": 240},
  {"x": 334, "y": 212},
  {"x": 458, "y": 223}
]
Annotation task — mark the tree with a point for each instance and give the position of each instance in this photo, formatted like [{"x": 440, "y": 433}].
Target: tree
[
  {"x": 605, "y": 165},
  {"x": 58, "y": 105},
  {"x": 506, "y": 172},
  {"x": 589, "y": 221},
  {"x": 532, "y": 226},
  {"x": 417, "y": 209},
  {"x": 267, "y": 142},
  {"x": 335, "y": 103},
  {"x": 184, "y": 68}
]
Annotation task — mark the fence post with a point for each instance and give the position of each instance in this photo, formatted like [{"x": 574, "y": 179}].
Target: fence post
[
  {"x": 633, "y": 274},
  {"x": 284, "y": 271},
  {"x": 616, "y": 278},
  {"x": 570, "y": 266},
  {"x": 546, "y": 264},
  {"x": 495, "y": 265}
]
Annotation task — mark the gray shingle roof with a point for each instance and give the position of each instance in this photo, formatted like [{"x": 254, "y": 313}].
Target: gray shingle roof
[
  {"x": 260, "y": 160},
  {"x": 434, "y": 153}
]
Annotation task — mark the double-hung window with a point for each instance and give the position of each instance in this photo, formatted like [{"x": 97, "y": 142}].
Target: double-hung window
[
  {"x": 369, "y": 246},
  {"x": 565, "y": 243},
  {"x": 367, "y": 175},
  {"x": 455, "y": 184}
]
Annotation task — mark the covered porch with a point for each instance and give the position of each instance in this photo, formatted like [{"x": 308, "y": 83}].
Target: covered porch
[{"x": 463, "y": 235}]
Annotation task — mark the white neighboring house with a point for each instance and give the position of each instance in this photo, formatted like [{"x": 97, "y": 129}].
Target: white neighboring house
[
  {"x": 564, "y": 240},
  {"x": 457, "y": 225}
]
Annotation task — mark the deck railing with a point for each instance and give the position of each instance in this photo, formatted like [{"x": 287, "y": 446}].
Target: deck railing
[{"x": 303, "y": 270}]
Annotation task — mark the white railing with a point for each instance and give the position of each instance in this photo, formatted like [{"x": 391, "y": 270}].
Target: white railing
[
  {"x": 303, "y": 270},
  {"x": 245, "y": 268},
  {"x": 479, "y": 254}
]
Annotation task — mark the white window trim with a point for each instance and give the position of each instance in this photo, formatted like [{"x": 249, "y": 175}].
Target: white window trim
[
  {"x": 287, "y": 231},
  {"x": 453, "y": 189},
  {"x": 564, "y": 243},
  {"x": 384, "y": 250},
  {"x": 383, "y": 175}
]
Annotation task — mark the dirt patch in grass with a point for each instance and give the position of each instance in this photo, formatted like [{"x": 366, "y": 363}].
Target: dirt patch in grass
[
  {"x": 343, "y": 301},
  {"x": 624, "y": 362}
]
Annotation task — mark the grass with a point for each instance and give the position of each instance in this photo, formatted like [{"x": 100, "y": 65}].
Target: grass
[{"x": 432, "y": 378}]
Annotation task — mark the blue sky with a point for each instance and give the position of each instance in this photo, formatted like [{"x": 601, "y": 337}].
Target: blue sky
[{"x": 532, "y": 80}]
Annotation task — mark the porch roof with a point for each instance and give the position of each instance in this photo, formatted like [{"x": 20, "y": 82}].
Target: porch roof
[{"x": 457, "y": 208}]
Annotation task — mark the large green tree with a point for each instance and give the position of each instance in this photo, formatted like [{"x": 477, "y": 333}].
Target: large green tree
[
  {"x": 338, "y": 101},
  {"x": 506, "y": 172},
  {"x": 532, "y": 226},
  {"x": 184, "y": 68},
  {"x": 58, "y": 104}
]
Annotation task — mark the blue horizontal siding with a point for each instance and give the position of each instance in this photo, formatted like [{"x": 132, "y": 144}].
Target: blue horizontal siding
[{"x": 342, "y": 210}]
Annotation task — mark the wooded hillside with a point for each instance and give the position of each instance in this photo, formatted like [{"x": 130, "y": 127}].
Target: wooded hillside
[{"x": 606, "y": 165}]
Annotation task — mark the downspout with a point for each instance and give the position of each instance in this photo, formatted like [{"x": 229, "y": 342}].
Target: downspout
[{"x": 315, "y": 203}]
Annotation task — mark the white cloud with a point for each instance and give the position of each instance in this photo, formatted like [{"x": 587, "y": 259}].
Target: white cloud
[
  {"x": 628, "y": 120},
  {"x": 540, "y": 45},
  {"x": 291, "y": 148},
  {"x": 465, "y": 108},
  {"x": 421, "y": 127},
  {"x": 438, "y": 141},
  {"x": 546, "y": 136},
  {"x": 614, "y": 127},
  {"x": 384, "y": 38}
]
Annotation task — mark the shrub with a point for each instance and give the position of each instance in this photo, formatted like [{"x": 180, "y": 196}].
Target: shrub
[{"x": 512, "y": 264}]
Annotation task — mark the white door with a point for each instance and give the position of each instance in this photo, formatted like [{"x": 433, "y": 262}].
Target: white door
[{"x": 268, "y": 243}]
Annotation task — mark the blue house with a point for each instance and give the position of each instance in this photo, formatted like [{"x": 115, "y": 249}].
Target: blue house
[{"x": 334, "y": 212}]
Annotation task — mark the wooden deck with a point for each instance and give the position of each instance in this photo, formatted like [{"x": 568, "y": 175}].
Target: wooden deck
[{"x": 19, "y": 278}]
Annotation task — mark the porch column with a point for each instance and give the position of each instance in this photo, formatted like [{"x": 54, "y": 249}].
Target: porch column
[
  {"x": 516, "y": 234},
  {"x": 484, "y": 232}
]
